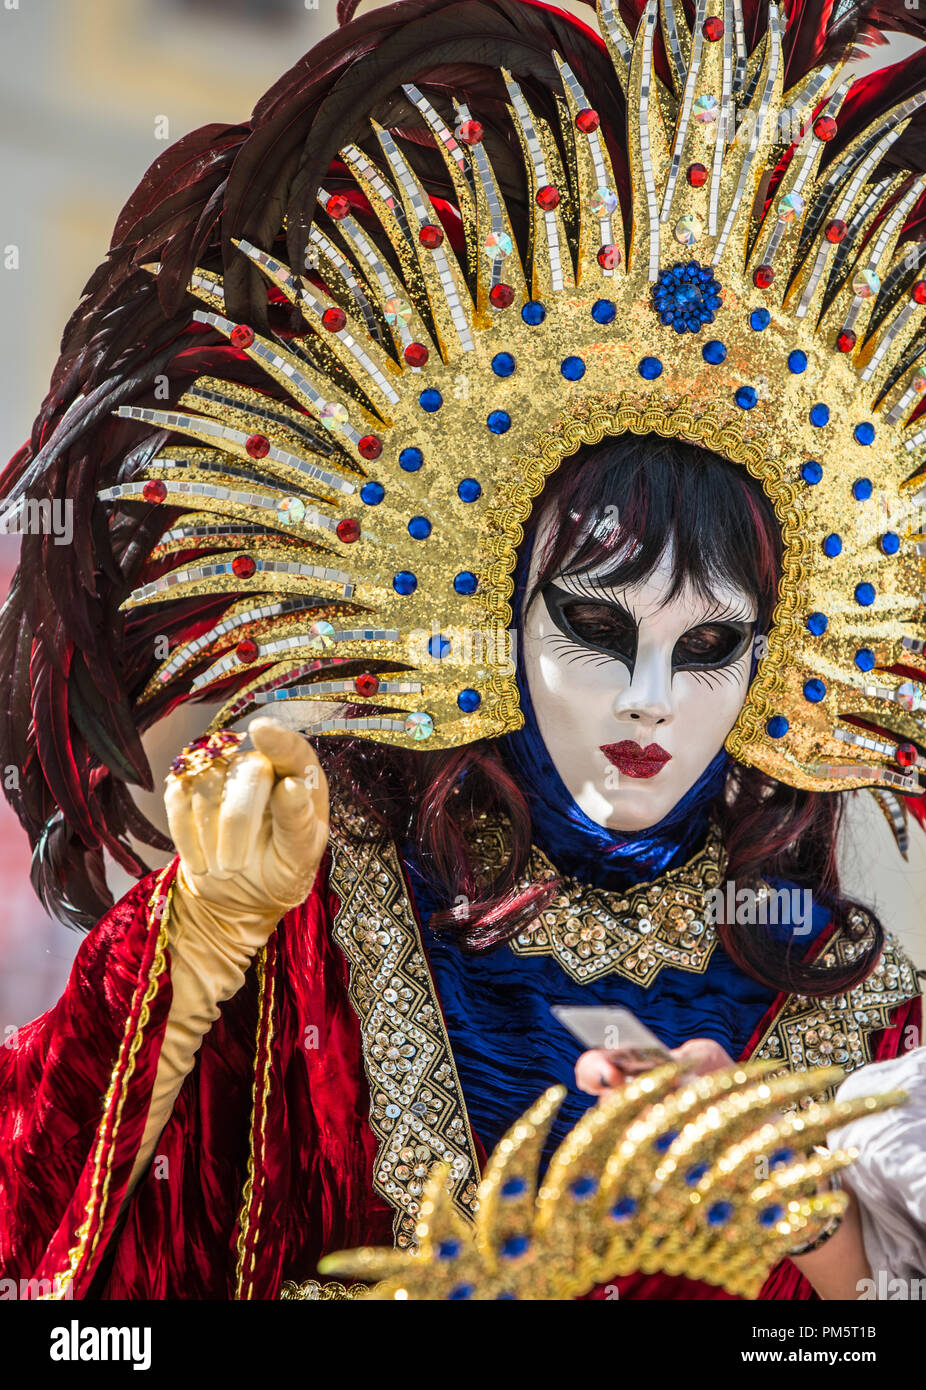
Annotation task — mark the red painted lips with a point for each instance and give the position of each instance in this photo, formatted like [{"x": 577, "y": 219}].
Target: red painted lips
[{"x": 628, "y": 757}]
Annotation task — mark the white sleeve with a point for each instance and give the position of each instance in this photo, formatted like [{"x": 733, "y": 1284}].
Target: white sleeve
[{"x": 889, "y": 1177}]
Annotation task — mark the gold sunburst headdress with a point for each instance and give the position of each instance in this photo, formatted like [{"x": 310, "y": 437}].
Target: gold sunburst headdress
[{"x": 375, "y": 520}]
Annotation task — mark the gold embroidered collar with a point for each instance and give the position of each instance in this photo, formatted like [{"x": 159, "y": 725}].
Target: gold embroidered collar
[{"x": 593, "y": 931}]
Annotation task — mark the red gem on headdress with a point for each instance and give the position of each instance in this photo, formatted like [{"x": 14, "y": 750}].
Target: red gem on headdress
[
  {"x": 470, "y": 132},
  {"x": 370, "y": 446},
  {"x": 713, "y": 29},
  {"x": 836, "y": 230},
  {"x": 430, "y": 236},
  {"x": 154, "y": 491},
  {"x": 763, "y": 277},
  {"x": 919, "y": 291},
  {"x": 548, "y": 197},
  {"x": 609, "y": 257},
  {"x": 416, "y": 354},
  {"x": 241, "y": 336},
  {"x": 337, "y": 207},
  {"x": 500, "y": 296},
  {"x": 246, "y": 651},
  {"x": 824, "y": 127},
  {"x": 846, "y": 340},
  {"x": 588, "y": 120},
  {"x": 243, "y": 566},
  {"x": 905, "y": 754},
  {"x": 257, "y": 446},
  {"x": 348, "y": 530},
  {"x": 366, "y": 685},
  {"x": 334, "y": 318},
  {"x": 697, "y": 175}
]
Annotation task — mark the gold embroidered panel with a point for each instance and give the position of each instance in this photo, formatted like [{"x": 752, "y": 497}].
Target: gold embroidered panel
[
  {"x": 823, "y": 1032},
  {"x": 417, "y": 1109},
  {"x": 593, "y": 932}
]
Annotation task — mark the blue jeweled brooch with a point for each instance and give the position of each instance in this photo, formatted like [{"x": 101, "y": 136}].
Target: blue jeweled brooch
[{"x": 687, "y": 296}]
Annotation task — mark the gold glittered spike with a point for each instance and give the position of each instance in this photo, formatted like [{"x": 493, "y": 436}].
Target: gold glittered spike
[
  {"x": 459, "y": 169},
  {"x": 617, "y": 38},
  {"x": 551, "y": 259},
  {"x": 881, "y": 356},
  {"x": 600, "y": 226},
  {"x": 448, "y": 296},
  {"x": 508, "y": 1189},
  {"x": 648, "y": 151},
  {"x": 677, "y": 40}
]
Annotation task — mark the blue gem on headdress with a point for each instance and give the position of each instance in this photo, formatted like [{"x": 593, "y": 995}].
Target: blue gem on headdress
[
  {"x": 832, "y": 546},
  {"x": 746, "y": 397},
  {"x": 714, "y": 352},
  {"x": 430, "y": 399},
  {"x": 759, "y": 319},
  {"x": 864, "y": 659},
  {"x": 462, "y": 1291},
  {"x": 890, "y": 542},
  {"x": 686, "y": 297},
  {"x": 817, "y": 623},
  {"x": 814, "y": 690},
  {"x": 865, "y": 594},
  {"x": 780, "y": 1157},
  {"x": 604, "y": 311},
  {"x": 811, "y": 471},
  {"x": 503, "y": 364},
  {"x": 533, "y": 313},
  {"x": 512, "y": 1187},
  {"x": 583, "y": 1187},
  {"x": 372, "y": 494},
  {"x": 419, "y": 528},
  {"x": 469, "y": 490},
  {"x": 865, "y": 432},
  {"x": 819, "y": 415},
  {"x": 499, "y": 421},
  {"x": 404, "y": 582},
  {"x": 623, "y": 1208},
  {"x": 777, "y": 726},
  {"x": 797, "y": 361},
  {"x": 719, "y": 1214},
  {"x": 665, "y": 1141},
  {"x": 465, "y": 582},
  {"x": 771, "y": 1215},
  {"x": 861, "y": 489},
  {"x": 439, "y": 647},
  {"x": 696, "y": 1173},
  {"x": 448, "y": 1249},
  {"x": 650, "y": 368},
  {"x": 411, "y": 460},
  {"x": 572, "y": 368},
  {"x": 513, "y": 1247},
  {"x": 469, "y": 700}
]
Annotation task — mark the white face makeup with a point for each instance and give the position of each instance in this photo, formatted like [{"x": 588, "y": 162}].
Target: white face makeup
[{"x": 634, "y": 695}]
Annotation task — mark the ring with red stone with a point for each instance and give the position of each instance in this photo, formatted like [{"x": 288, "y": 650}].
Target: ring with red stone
[{"x": 205, "y": 752}]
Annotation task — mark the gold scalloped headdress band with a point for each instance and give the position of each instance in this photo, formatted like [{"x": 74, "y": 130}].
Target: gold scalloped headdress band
[{"x": 371, "y": 527}]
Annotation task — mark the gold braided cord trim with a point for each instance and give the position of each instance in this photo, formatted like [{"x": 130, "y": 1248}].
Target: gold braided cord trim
[
  {"x": 313, "y": 1291},
  {"x": 590, "y": 424},
  {"x": 265, "y": 988},
  {"x": 158, "y": 905}
]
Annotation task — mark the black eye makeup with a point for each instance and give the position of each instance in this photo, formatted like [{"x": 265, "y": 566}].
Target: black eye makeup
[{"x": 606, "y": 626}]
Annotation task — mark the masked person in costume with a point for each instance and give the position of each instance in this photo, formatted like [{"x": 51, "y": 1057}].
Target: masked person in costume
[{"x": 525, "y": 409}]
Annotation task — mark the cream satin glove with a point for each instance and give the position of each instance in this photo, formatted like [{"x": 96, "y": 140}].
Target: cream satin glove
[{"x": 250, "y": 835}]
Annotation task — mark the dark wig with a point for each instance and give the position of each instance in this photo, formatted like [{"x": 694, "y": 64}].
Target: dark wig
[{"x": 75, "y": 665}]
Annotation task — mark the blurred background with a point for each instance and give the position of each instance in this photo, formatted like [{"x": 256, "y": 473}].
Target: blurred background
[{"x": 91, "y": 92}]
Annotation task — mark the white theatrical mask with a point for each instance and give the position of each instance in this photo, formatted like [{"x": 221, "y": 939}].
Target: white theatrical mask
[{"x": 634, "y": 694}]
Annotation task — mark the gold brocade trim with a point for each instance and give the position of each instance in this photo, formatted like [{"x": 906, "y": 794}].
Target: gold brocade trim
[
  {"x": 635, "y": 934},
  {"x": 95, "y": 1209},
  {"x": 315, "y": 1292},
  {"x": 246, "y": 1244},
  {"x": 837, "y": 1031},
  {"x": 417, "y": 1111}
]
